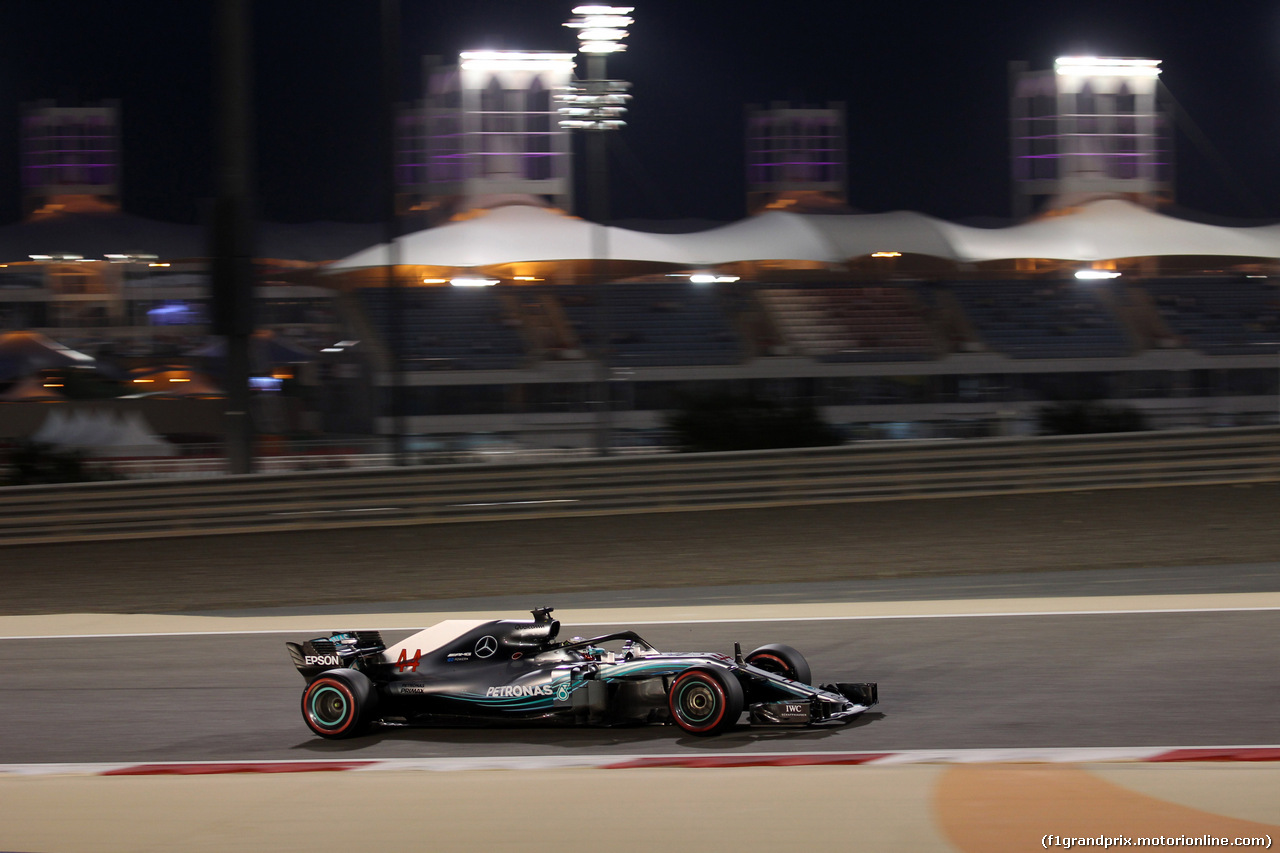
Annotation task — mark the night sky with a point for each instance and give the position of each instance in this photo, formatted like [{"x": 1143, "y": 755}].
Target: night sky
[{"x": 926, "y": 88}]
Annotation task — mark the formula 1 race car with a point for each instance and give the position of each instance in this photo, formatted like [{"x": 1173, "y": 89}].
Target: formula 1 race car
[{"x": 483, "y": 672}]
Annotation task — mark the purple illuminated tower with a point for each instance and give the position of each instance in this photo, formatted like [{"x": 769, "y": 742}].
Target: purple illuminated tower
[
  {"x": 795, "y": 158},
  {"x": 1090, "y": 128},
  {"x": 487, "y": 133},
  {"x": 71, "y": 156}
]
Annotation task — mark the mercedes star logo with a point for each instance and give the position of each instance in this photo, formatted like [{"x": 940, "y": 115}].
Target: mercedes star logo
[{"x": 486, "y": 646}]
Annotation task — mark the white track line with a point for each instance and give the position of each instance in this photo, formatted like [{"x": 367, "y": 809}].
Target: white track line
[
  {"x": 868, "y": 617},
  {"x": 103, "y": 625},
  {"x": 368, "y": 625}
]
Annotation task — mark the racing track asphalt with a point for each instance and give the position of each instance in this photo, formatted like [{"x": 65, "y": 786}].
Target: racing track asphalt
[
  {"x": 1046, "y": 681},
  {"x": 1093, "y": 680},
  {"x": 1101, "y": 530}
]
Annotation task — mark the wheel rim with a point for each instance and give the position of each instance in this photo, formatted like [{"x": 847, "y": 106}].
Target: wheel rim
[
  {"x": 699, "y": 702},
  {"x": 328, "y": 707},
  {"x": 774, "y": 664}
]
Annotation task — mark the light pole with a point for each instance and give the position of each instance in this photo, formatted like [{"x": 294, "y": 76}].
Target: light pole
[
  {"x": 597, "y": 104},
  {"x": 390, "y": 27},
  {"x": 232, "y": 269}
]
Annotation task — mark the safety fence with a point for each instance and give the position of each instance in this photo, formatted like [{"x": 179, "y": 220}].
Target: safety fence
[{"x": 612, "y": 485}]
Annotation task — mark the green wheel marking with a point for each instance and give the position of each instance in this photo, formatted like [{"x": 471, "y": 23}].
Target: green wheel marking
[
  {"x": 691, "y": 713},
  {"x": 315, "y": 712}
]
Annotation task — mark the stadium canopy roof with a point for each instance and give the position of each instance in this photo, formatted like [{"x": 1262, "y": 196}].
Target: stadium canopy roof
[
  {"x": 1100, "y": 230},
  {"x": 1111, "y": 228}
]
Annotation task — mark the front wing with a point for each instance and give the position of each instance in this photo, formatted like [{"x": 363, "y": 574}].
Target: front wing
[{"x": 829, "y": 703}]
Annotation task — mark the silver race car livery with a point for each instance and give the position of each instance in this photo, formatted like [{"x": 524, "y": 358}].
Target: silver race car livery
[{"x": 461, "y": 672}]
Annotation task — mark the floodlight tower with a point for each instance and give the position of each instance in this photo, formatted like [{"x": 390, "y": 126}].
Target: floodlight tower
[
  {"x": 597, "y": 104},
  {"x": 1091, "y": 126}
]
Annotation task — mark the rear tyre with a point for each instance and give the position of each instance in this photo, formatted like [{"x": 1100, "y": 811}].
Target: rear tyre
[
  {"x": 782, "y": 660},
  {"x": 338, "y": 703},
  {"x": 705, "y": 701}
]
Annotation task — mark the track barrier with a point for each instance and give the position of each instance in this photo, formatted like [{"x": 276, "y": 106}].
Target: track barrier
[{"x": 368, "y": 497}]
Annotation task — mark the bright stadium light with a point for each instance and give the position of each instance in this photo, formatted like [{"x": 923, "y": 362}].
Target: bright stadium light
[
  {"x": 602, "y": 47},
  {"x": 601, "y": 29},
  {"x": 597, "y": 103},
  {"x": 1106, "y": 66},
  {"x": 606, "y": 16},
  {"x": 1096, "y": 275},
  {"x": 131, "y": 257},
  {"x": 594, "y": 104},
  {"x": 510, "y": 60},
  {"x": 602, "y": 34},
  {"x": 473, "y": 282}
]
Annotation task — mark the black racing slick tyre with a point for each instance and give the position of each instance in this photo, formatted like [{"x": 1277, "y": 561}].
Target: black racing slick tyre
[
  {"x": 338, "y": 703},
  {"x": 782, "y": 660},
  {"x": 705, "y": 701}
]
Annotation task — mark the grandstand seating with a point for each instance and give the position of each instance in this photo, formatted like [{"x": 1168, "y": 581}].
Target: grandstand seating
[
  {"x": 1219, "y": 316},
  {"x": 1025, "y": 319},
  {"x": 675, "y": 323},
  {"x": 852, "y": 323},
  {"x": 654, "y": 323},
  {"x": 450, "y": 328}
]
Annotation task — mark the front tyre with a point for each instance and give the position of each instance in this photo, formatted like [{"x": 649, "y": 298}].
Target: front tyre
[
  {"x": 705, "y": 701},
  {"x": 338, "y": 703},
  {"x": 781, "y": 660}
]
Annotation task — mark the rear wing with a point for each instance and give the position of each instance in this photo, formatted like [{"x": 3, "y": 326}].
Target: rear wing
[{"x": 341, "y": 649}]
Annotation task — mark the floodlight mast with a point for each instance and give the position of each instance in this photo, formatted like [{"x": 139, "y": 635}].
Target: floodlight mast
[{"x": 597, "y": 104}]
